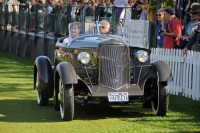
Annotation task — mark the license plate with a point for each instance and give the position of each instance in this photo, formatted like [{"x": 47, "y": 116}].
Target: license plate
[{"x": 117, "y": 96}]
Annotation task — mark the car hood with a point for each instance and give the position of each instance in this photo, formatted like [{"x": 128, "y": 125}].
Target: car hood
[{"x": 93, "y": 40}]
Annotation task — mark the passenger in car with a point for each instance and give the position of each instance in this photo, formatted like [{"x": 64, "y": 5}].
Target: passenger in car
[
  {"x": 104, "y": 27},
  {"x": 74, "y": 30}
]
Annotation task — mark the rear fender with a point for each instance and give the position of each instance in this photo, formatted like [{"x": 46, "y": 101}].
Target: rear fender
[{"x": 45, "y": 69}]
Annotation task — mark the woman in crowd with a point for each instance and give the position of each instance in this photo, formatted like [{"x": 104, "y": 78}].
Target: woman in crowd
[
  {"x": 150, "y": 7},
  {"x": 90, "y": 10},
  {"x": 161, "y": 25}
]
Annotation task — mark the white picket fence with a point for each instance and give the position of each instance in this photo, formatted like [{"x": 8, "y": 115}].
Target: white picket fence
[{"x": 185, "y": 69}]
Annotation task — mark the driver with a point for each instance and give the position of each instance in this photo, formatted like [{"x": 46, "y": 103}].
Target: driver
[
  {"x": 105, "y": 27},
  {"x": 75, "y": 29}
]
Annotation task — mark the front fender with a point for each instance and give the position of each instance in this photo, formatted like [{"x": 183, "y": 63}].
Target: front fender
[
  {"x": 67, "y": 73},
  {"x": 159, "y": 70},
  {"x": 164, "y": 72}
]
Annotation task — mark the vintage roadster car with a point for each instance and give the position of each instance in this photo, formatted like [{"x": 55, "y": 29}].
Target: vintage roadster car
[{"x": 101, "y": 68}]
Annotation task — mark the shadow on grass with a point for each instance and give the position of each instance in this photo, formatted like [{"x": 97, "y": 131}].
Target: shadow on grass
[
  {"x": 99, "y": 111},
  {"x": 11, "y": 87},
  {"x": 16, "y": 110}
]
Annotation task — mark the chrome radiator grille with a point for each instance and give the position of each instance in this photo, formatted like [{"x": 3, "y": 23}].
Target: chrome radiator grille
[{"x": 114, "y": 66}]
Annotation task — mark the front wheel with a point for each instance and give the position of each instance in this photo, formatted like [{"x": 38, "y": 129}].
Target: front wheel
[
  {"x": 66, "y": 101},
  {"x": 159, "y": 102},
  {"x": 41, "y": 100}
]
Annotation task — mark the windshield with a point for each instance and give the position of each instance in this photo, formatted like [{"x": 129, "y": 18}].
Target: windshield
[{"x": 135, "y": 32}]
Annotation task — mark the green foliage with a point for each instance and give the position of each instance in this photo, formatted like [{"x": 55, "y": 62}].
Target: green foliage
[
  {"x": 166, "y": 3},
  {"x": 19, "y": 112},
  {"x": 152, "y": 5}
]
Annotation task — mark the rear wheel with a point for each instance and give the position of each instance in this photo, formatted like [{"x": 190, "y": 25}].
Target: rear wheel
[
  {"x": 57, "y": 106},
  {"x": 41, "y": 100},
  {"x": 159, "y": 102},
  {"x": 66, "y": 101}
]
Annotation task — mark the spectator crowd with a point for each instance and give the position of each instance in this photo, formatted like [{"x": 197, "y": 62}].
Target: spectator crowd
[{"x": 177, "y": 21}]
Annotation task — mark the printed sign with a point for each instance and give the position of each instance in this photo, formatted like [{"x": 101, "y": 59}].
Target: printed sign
[{"x": 137, "y": 32}]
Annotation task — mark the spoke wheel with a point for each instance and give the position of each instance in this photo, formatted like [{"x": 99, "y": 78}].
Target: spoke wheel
[
  {"x": 66, "y": 101},
  {"x": 159, "y": 102},
  {"x": 39, "y": 94}
]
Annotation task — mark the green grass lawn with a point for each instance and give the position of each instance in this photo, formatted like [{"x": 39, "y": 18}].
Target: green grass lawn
[{"x": 19, "y": 112}]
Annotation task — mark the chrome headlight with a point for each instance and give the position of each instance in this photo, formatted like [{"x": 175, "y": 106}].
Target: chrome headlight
[
  {"x": 84, "y": 58},
  {"x": 142, "y": 56}
]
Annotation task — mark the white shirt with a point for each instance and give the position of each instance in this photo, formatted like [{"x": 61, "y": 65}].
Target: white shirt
[
  {"x": 66, "y": 40},
  {"x": 49, "y": 9}
]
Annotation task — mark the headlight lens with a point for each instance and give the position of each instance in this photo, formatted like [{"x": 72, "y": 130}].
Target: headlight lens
[
  {"x": 142, "y": 56},
  {"x": 84, "y": 58}
]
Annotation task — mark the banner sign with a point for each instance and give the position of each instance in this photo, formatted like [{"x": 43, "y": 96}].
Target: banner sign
[{"x": 137, "y": 33}]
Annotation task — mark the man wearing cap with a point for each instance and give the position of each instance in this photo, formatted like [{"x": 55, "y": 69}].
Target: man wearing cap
[
  {"x": 194, "y": 22},
  {"x": 173, "y": 31},
  {"x": 191, "y": 26},
  {"x": 194, "y": 42}
]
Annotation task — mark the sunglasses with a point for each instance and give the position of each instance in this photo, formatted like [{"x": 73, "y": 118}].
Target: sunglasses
[
  {"x": 102, "y": 27},
  {"x": 159, "y": 14}
]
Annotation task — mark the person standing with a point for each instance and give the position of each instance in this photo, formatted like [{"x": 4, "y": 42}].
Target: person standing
[
  {"x": 191, "y": 26},
  {"x": 149, "y": 9},
  {"x": 161, "y": 25},
  {"x": 90, "y": 9},
  {"x": 131, "y": 3},
  {"x": 120, "y": 4},
  {"x": 173, "y": 31},
  {"x": 75, "y": 11},
  {"x": 194, "y": 42},
  {"x": 33, "y": 6},
  {"x": 193, "y": 23},
  {"x": 62, "y": 7}
]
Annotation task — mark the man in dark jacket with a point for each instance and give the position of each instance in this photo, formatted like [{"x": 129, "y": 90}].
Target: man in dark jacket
[{"x": 194, "y": 42}]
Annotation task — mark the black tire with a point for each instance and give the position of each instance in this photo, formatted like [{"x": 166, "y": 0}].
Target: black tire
[
  {"x": 41, "y": 100},
  {"x": 66, "y": 101},
  {"x": 150, "y": 83},
  {"x": 57, "y": 105},
  {"x": 147, "y": 105},
  {"x": 159, "y": 102}
]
